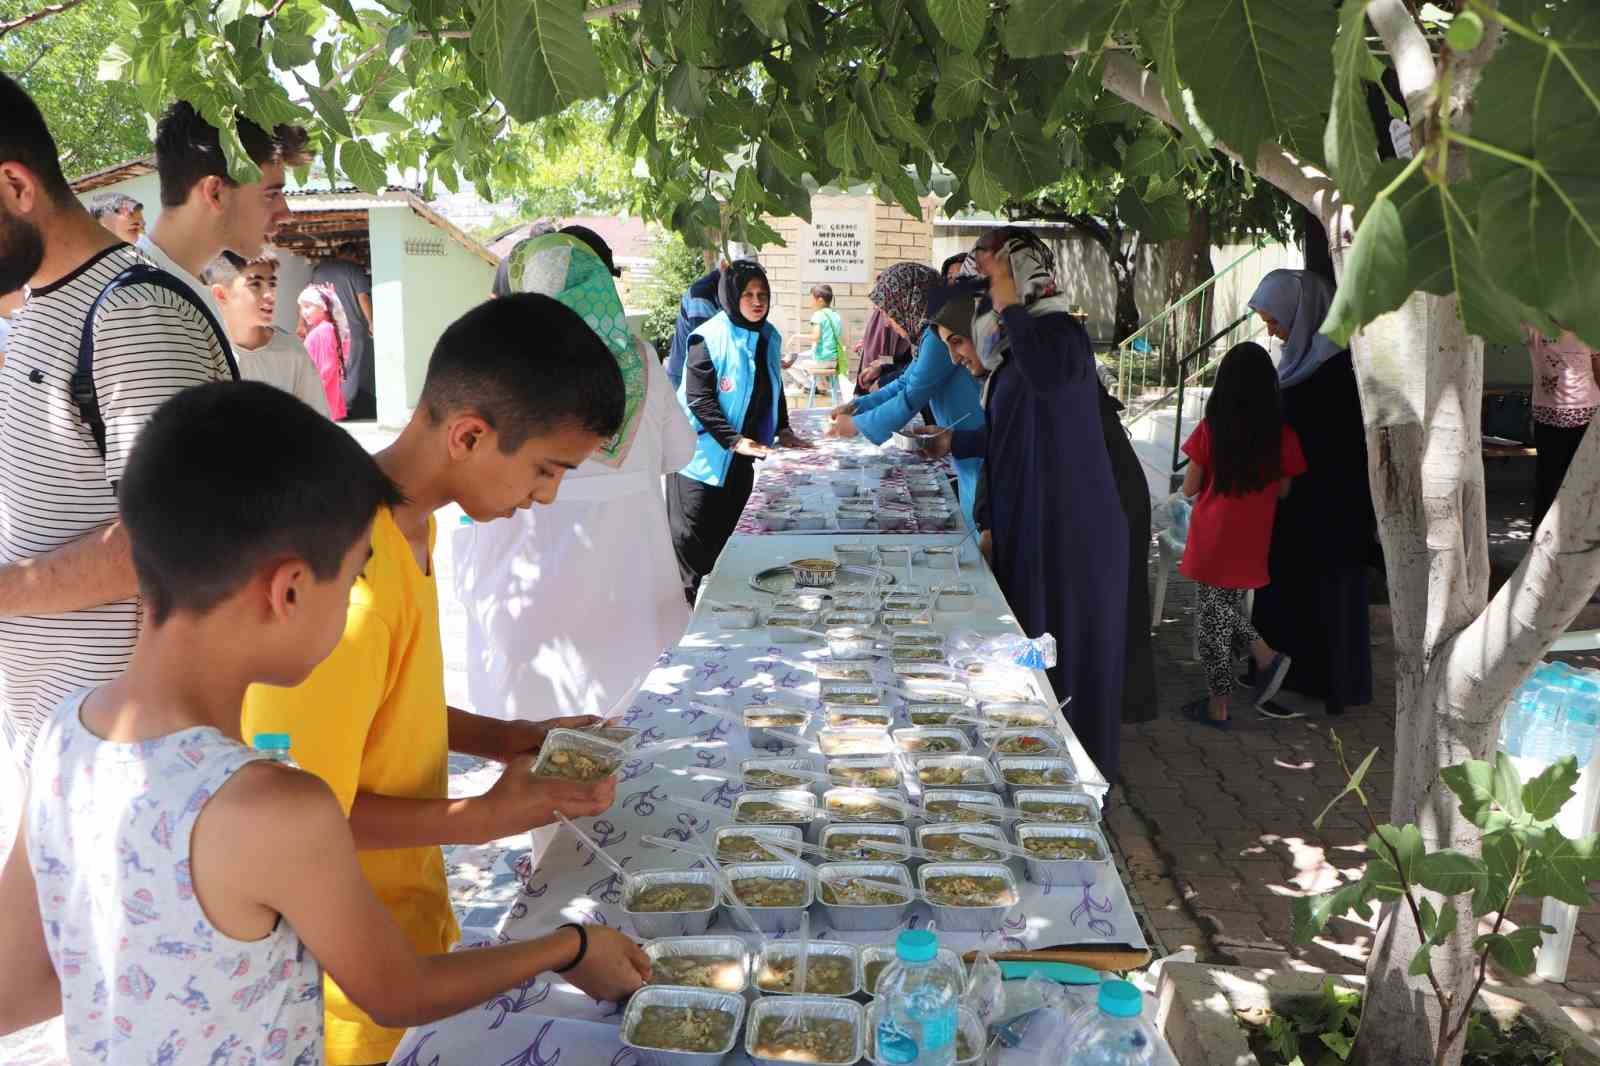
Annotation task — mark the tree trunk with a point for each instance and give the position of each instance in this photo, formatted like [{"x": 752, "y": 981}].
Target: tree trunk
[
  {"x": 1125, "y": 276},
  {"x": 1421, "y": 380},
  {"x": 1188, "y": 266}
]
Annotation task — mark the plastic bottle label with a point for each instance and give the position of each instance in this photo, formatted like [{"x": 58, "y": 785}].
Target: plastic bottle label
[{"x": 895, "y": 1044}]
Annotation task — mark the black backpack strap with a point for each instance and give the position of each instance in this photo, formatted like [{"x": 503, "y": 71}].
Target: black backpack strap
[{"x": 84, "y": 396}]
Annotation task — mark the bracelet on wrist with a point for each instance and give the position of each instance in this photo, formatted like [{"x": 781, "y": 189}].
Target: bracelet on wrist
[{"x": 583, "y": 946}]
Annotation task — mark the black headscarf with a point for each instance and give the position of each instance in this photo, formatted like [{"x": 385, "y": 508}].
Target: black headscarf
[{"x": 739, "y": 274}]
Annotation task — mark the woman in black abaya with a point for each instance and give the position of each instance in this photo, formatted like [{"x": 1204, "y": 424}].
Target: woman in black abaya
[{"x": 1315, "y": 609}]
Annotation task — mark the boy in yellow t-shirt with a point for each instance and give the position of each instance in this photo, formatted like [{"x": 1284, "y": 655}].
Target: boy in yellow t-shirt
[{"x": 518, "y": 391}]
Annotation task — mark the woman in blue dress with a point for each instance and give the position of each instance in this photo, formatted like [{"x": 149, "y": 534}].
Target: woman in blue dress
[{"x": 932, "y": 380}]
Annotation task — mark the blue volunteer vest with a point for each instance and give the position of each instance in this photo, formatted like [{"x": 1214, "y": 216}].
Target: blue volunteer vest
[{"x": 732, "y": 353}]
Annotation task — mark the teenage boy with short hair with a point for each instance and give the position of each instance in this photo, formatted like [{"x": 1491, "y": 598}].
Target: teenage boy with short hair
[
  {"x": 498, "y": 424},
  {"x": 247, "y": 292},
  {"x": 119, "y": 213},
  {"x": 68, "y": 612},
  {"x": 170, "y": 892},
  {"x": 203, "y": 210}
]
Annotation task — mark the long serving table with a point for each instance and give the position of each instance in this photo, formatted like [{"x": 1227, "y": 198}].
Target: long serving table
[{"x": 546, "y": 1019}]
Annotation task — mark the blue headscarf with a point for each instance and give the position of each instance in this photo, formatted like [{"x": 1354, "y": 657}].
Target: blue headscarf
[{"x": 1299, "y": 300}]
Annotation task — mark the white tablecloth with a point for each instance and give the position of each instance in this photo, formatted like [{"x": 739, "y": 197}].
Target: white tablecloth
[{"x": 546, "y": 1019}]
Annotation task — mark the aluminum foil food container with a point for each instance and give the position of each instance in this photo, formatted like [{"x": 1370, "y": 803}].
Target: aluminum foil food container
[
  {"x": 844, "y": 489},
  {"x": 616, "y": 734},
  {"x": 969, "y": 919},
  {"x": 857, "y": 917},
  {"x": 835, "y": 742},
  {"x": 902, "y": 654},
  {"x": 808, "y": 521},
  {"x": 783, "y": 627},
  {"x": 775, "y": 920},
  {"x": 857, "y": 805},
  {"x": 761, "y": 717},
  {"x": 935, "y": 831},
  {"x": 916, "y": 637},
  {"x": 673, "y": 996},
  {"x": 1085, "y": 871},
  {"x": 804, "y": 1008},
  {"x": 936, "y": 716},
  {"x": 956, "y": 599},
  {"x": 941, "y": 740},
  {"x": 906, "y": 619},
  {"x": 852, "y": 643},
  {"x": 847, "y": 616},
  {"x": 942, "y": 557},
  {"x": 874, "y": 954},
  {"x": 896, "y": 554},
  {"x": 852, "y": 694},
  {"x": 759, "y": 773},
  {"x": 856, "y": 554},
  {"x": 561, "y": 744},
  {"x": 831, "y": 671},
  {"x": 682, "y": 947},
  {"x": 803, "y": 601},
  {"x": 733, "y": 615},
  {"x": 782, "y": 835},
  {"x": 651, "y": 924},
  {"x": 771, "y": 520},
  {"x": 896, "y": 600},
  {"x": 800, "y": 809},
  {"x": 838, "y": 837},
  {"x": 955, "y": 771},
  {"x": 933, "y": 800},
  {"x": 1009, "y": 714},
  {"x": 1019, "y": 773},
  {"x": 1023, "y": 742},
  {"x": 839, "y": 770},
  {"x": 785, "y": 949},
  {"x": 856, "y": 600},
  {"x": 862, "y": 717},
  {"x": 1056, "y": 806},
  {"x": 851, "y": 521}
]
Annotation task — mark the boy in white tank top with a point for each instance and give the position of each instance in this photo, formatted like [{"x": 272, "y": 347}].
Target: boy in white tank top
[{"x": 171, "y": 893}]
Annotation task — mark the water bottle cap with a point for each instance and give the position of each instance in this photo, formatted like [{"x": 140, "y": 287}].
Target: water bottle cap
[
  {"x": 271, "y": 741},
  {"x": 1120, "y": 999},
  {"x": 916, "y": 945}
]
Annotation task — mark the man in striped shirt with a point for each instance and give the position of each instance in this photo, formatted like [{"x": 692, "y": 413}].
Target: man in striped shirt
[{"x": 68, "y": 612}]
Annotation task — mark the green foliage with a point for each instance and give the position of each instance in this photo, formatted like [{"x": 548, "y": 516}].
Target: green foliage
[
  {"x": 737, "y": 108},
  {"x": 1523, "y": 855},
  {"x": 674, "y": 267},
  {"x": 96, "y": 124},
  {"x": 1317, "y": 1032}
]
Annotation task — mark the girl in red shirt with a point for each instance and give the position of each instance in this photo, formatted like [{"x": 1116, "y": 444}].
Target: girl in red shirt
[{"x": 1241, "y": 459}]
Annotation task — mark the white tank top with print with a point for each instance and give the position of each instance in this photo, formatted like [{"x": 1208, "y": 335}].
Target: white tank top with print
[{"x": 145, "y": 976}]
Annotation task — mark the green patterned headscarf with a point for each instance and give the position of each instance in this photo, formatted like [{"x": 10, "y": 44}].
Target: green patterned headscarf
[{"x": 566, "y": 269}]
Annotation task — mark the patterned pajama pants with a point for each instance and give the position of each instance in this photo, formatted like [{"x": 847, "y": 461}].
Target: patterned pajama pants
[{"x": 1225, "y": 634}]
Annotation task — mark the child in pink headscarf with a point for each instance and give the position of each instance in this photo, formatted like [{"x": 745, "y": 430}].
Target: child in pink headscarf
[{"x": 327, "y": 337}]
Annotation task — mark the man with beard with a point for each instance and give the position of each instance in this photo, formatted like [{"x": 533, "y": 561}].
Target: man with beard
[{"x": 68, "y": 613}]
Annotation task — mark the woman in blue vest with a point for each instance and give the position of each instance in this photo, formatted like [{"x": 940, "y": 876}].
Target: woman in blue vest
[
  {"x": 932, "y": 380},
  {"x": 733, "y": 390}
]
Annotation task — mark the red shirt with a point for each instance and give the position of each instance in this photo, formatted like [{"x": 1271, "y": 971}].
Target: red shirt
[{"x": 1229, "y": 536}]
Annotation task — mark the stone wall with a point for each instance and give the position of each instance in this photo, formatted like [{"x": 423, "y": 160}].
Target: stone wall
[{"x": 894, "y": 237}]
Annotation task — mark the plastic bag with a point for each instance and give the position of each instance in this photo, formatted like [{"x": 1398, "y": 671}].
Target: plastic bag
[
  {"x": 1013, "y": 649},
  {"x": 1040, "y": 1022},
  {"x": 985, "y": 995},
  {"x": 1172, "y": 516}
]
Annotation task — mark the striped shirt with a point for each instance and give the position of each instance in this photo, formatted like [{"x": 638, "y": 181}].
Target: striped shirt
[{"x": 54, "y": 488}]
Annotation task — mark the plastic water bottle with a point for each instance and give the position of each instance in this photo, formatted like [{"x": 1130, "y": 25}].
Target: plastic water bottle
[
  {"x": 920, "y": 998},
  {"x": 1112, "y": 1033},
  {"x": 1542, "y": 741},
  {"x": 1583, "y": 718},
  {"x": 275, "y": 746},
  {"x": 1518, "y": 720}
]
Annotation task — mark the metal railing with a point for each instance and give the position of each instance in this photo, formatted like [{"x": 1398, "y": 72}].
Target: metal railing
[{"x": 1140, "y": 367}]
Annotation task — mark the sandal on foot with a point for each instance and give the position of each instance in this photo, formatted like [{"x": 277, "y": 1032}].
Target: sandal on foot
[
  {"x": 1274, "y": 709},
  {"x": 1199, "y": 711},
  {"x": 1269, "y": 679}
]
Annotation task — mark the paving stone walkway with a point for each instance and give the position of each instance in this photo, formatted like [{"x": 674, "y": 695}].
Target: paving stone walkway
[{"x": 1216, "y": 827}]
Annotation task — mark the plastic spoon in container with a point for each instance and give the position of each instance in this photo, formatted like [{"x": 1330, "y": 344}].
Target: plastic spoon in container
[
  {"x": 594, "y": 849},
  {"x": 725, "y": 886},
  {"x": 816, "y": 776},
  {"x": 803, "y": 947},
  {"x": 896, "y": 848},
  {"x": 1002, "y": 846},
  {"x": 678, "y": 846}
]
